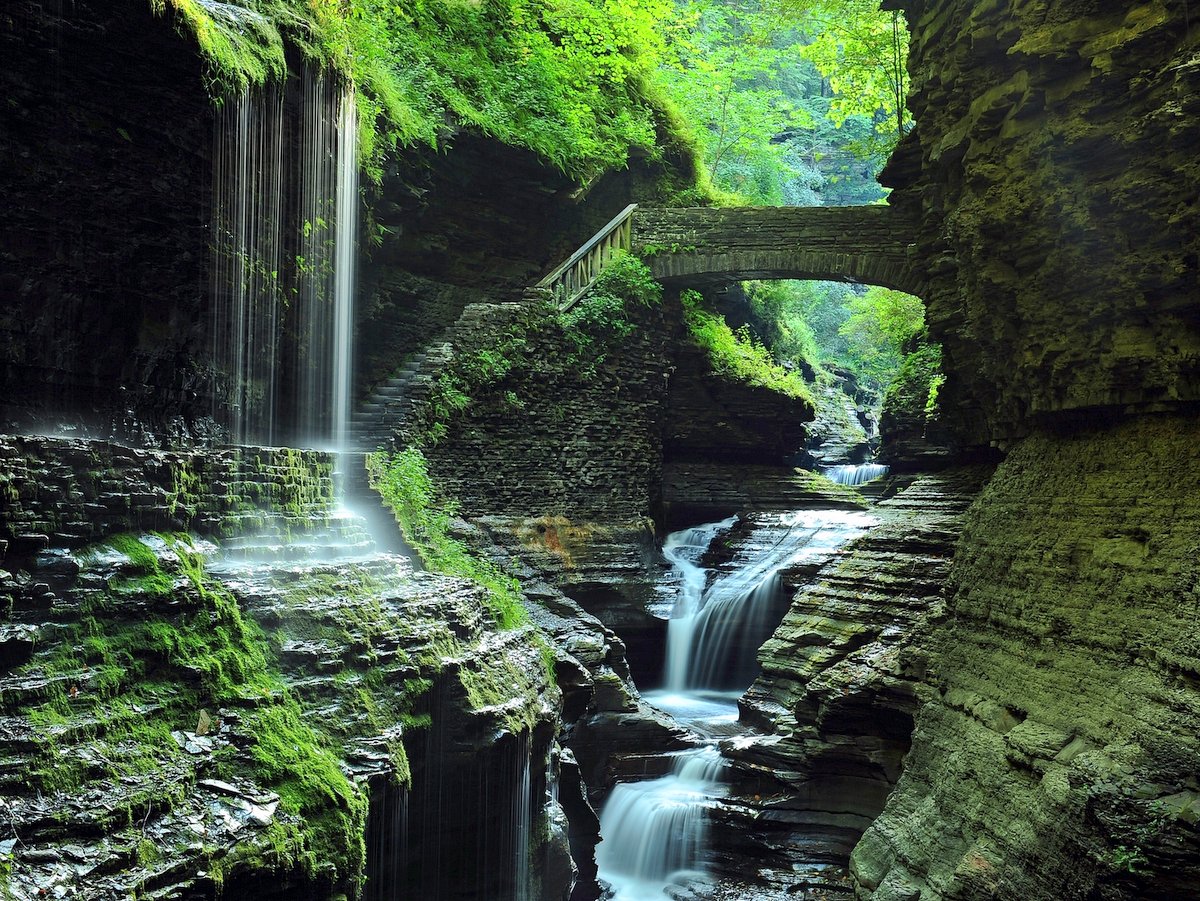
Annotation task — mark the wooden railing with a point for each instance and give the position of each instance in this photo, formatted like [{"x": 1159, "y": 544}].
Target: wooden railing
[{"x": 570, "y": 281}]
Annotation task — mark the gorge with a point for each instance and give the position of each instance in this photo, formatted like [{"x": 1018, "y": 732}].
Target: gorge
[{"x": 339, "y": 561}]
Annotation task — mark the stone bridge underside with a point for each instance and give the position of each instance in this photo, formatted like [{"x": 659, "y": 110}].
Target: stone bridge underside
[{"x": 702, "y": 247}]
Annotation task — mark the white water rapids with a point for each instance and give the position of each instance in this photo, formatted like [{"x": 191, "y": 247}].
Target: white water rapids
[{"x": 655, "y": 831}]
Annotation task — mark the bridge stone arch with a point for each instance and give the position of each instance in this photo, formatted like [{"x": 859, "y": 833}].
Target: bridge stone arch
[{"x": 704, "y": 246}]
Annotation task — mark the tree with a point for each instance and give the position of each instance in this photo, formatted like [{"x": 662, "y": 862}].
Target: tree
[
  {"x": 862, "y": 51},
  {"x": 881, "y": 321}
]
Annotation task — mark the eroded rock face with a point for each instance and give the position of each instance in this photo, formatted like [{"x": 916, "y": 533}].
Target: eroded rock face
[
  {"x": 105, "y": 135},
  {"x": 1058, "y": 753},
  {"x": 839, "y": 683},
  {"x": 1054, "y": 168},
  {"x": 176, "y": 717}
]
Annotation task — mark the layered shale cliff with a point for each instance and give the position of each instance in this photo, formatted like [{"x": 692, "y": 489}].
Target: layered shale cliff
[
  {"x": 209, "y": 680},
  {"x": 1055, "y": 753},
  {"x": 1054, "y": 171}
]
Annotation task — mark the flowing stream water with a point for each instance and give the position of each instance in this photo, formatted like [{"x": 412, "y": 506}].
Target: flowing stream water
[
  {"x": 284, "y": 232},
  {"x": 655, "y": 831},
  {"x": 855, "y": 473}
]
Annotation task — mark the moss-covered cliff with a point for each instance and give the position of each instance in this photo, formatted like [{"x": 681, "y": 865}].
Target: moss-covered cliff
[
  {"x": 1056, "y": 754},
  {"x": 1054, "y": 169}
]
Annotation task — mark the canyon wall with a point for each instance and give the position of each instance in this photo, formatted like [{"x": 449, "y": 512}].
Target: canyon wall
[
  {"x": 282, "y": 714},
  {"x": 1054, "y": 173},
  {"x": 1052, "y": 163}
]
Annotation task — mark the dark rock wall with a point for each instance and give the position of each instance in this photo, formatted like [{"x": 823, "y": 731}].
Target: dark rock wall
[
  {"x": 1054, "y": 170},
  {"x": 713, "y": 418},
  {"x": 552, "y": 439},
  {"x": 839, "y": 685},
  {"x": 105, "y": 134},
  {"x": 1057, "y": 756},
  {"x": 586, "y": 436}
]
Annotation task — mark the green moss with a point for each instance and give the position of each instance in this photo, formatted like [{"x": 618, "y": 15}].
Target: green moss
[
  {"x": 123, "y": 684},
  {"x": 738, "y": 354},
  {"x": 403, "y": 481},
  {"x": 911, "y": 400}
]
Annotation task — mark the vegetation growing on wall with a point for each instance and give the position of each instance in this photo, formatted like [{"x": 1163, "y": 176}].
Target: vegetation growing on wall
[
  {"x": 738, "y": 353},
  {"x": 867, "y": 331},
  {"x": 570, "y": 79},
  {"x": 157, "y": 645},
  {"x": 913, "y": 393},
  {"x": 589, "y": 331},
  {"x": 403, "y": 481}
]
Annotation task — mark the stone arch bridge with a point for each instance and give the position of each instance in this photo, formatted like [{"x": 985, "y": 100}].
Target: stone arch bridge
[{"x": 711, "y": 246}]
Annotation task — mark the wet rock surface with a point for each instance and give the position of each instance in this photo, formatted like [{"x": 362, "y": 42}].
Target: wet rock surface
[
  {"x": 707, "y": 492},
  {"x": 153, "y": 685},
  {"x": 1055, "y": 753},
  {"x": 837, "y": 694}
]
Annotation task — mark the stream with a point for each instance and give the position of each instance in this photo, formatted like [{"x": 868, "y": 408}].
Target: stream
[{"x": 655, "y": 834}]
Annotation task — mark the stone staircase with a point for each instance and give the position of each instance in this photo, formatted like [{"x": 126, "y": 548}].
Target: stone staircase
[
  {"x": 389, "y": 406},
  {"x": 385, "y": 410}
]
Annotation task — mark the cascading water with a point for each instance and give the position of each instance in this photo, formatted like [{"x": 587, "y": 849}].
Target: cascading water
[
  {"x": 855, "y": 474},
  {"x": 247, "y": 236},
  {"x": 654, "y": 832},
  {"x": 715, "y": 631},
  {"x": 272, "y": 240}
]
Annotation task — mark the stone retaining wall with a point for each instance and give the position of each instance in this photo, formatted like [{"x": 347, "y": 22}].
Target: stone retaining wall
[{"x": 70, "y": 491}]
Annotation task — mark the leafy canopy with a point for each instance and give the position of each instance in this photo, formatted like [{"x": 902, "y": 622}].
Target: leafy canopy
[{"x": 568, "y": 79}]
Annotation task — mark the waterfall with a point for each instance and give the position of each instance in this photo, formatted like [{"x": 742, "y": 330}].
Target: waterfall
[
  {"x": 715, "y": 631},
  {"x": 654, "y": 832},
  {"x": 522, "y": 824},
  {"x": 387, "y": 842},
  {"x": 247, "y": 237},
  {"x": 285, "y": 223},
  {"x": 346, "y": 256},
  {"x": 851, "y": 474},
  {"x": 683, "y": 550}
]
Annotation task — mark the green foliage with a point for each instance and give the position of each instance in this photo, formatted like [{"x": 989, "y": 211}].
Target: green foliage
[
  {"x": 780, "y": 323},
  {"x": 566, "y": 78},
  {"x": 770, "y": 123},
  {"x": 912, "y": 395},
  {"x": 880, "y": 323},
  {"x": 862, "y": 51},
  {"x": 738, "y": 354},
  {"x": 403, "y": 481}
]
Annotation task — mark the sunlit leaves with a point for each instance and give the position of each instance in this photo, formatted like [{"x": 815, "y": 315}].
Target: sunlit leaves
[
  {"x": 862, "y": 51},
  {"x": 881, "y": 321}
]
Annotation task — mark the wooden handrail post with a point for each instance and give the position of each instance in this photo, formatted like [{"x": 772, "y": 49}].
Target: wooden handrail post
[{"x": 570, "y": 280}]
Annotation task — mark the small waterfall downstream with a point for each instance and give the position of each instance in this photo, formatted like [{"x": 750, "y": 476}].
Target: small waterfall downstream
[
  {"x": 716, "y": 629},
  {"x": 284, "y": 234},
  {"x": 654, "y": 832},
  {"x": 855, "y": 473}
]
